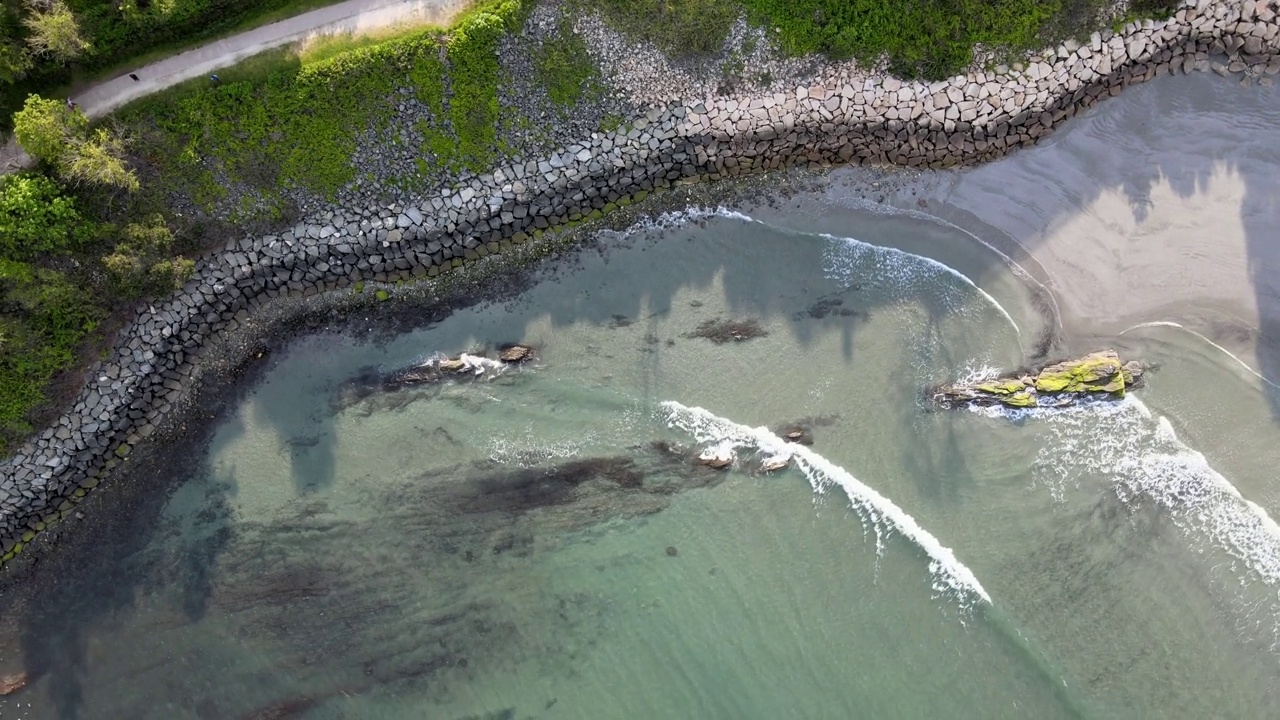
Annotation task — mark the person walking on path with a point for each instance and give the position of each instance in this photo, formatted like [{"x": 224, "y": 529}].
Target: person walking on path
[
  {"x": 133, "y": 77},
  {"x": 215, "y": 79}
]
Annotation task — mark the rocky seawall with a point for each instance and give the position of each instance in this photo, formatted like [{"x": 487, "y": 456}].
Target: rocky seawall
[{"x": 841, "y": 118}]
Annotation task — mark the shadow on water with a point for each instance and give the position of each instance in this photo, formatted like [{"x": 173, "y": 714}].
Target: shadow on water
[
  {"x": 259, "y": 578},
  {"x": 97, "y": 570},
  {"x": 1191, "y": 136},
  {"x": 312, "y": 607}
]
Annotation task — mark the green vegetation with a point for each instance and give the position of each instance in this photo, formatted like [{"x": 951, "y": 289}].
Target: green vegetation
[
  {"x": 565, "y": 68},
  {"x": 921, "y": 38},
  {"x": 59, "y": 136},
  {"x": 36, "y": 218},
  {"x": 44, "y": 318},
  {"x": 46, "y": 45},
  {"x": 291, "y": 121},
  {"x": 62, "y": 271},
  {"x": 142, "y": 261},
  {"x": 680, "y": 27}
]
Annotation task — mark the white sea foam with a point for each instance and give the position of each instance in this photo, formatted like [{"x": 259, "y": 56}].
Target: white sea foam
[
  {"x": 1141, "y": 455},
  {"x": 849, "y": 260},
  {"x": 1244, "y": 365},
  {"x": 1017, "y": 269},
  {"x": 950, "y": 575},
  {"x": 901, "y": 273},
  {"x": 532, "y": 449}
]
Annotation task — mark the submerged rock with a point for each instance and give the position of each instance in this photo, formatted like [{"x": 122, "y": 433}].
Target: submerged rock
[
  {"x": 435, "y": 370},
  {"x": 1096, "y": 375},
  {"x": 720, "y": 330}
]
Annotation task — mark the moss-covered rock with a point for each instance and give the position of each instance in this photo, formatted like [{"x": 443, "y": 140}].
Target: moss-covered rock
[
  {"x": 1095, "y": 372},
  {"x": 1099, "y": 374}
]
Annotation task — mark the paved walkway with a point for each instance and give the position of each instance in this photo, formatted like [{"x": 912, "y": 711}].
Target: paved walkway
[{"x": 352, "y": 16}]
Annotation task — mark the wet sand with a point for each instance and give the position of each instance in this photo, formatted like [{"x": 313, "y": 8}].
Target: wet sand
[{"x": 1160, "y": 205}]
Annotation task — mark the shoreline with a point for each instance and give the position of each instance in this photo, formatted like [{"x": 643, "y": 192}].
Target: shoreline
[{"x": 148, "y": 380}]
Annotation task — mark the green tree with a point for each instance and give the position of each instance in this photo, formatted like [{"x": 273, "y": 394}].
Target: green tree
[
  {"x": 141, "y": 264},
  {"x": 35, "y": 217},
  {"x": 47, "y": 128},
  {"x": 99, "y": 160},
  {"x": 14, "y": 62},
  {"x": 51, "y": 132},
  {"x": 53, "y": 31}
]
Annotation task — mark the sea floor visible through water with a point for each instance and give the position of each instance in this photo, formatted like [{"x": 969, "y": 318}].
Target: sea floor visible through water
[{"x": 539, "y": 541}]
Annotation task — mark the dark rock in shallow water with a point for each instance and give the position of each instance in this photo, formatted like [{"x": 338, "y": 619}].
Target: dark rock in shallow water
[
  {"x": 1096, "y": 375},
  {"x": 671, "y": 551},
  {"x": 720, "y": 331},
  {"x": 796, "y": 434},
  {"x": 515, "y": 353},
  {"x": 434, "y": 371}
]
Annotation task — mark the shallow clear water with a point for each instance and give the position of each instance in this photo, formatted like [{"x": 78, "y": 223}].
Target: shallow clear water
[{"x": 539, "y": 542}]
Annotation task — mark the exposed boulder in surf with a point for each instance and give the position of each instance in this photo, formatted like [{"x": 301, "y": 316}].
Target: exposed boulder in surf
[
  {"x": 515, "y": 353},
  {"x": 1096, "y": 375},
  {"x": 774, "y": 464},
  {"x": 716, "y": 458},
  {"x": 10, "y": 684},
  {"x": 434, "y": 370}
]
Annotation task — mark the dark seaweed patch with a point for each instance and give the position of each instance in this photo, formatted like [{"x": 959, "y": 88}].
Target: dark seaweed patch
[
  {"x": 720, "y": 330},
  {"x": 828, "y": 306}
]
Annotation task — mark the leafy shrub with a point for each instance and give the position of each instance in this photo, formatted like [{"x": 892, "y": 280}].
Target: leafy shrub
[
  {"x": 298, "y": 125},
  {"x": 46, "y": 128},
  {"x": 35, "y": 217},
  {"x": 141, "y": 263},
  {"x": 43, "y": 319}
]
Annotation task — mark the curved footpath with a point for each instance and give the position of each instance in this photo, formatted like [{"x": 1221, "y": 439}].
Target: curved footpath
[
  {"x": 352, "y": 16},
  {"x": 862, "y": 119}
]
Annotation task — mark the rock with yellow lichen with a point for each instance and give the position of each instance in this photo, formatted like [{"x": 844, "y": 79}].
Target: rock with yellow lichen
[{"x": 1096, "y": 375}]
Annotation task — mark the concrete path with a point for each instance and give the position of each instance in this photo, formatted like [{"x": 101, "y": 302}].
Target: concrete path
[{"x": 350, "y": 17}]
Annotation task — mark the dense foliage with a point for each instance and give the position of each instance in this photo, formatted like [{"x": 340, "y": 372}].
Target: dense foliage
[
  {"x": 51, "y": 43},
  {"x": 920, "y": 38},
  {"x": 35, "y": 218},
  {"x": 44, "y": 318},
  {"x": 296, "y": 123}
]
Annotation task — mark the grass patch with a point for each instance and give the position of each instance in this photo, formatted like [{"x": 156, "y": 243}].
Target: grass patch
[
  {"x": 44, "y": 320},
  {"x": 682, "y": 28},
  {"x": 565, "y": 68},
  {"x": 930, "y": 39},
  {"x": 290, "y": 119}
]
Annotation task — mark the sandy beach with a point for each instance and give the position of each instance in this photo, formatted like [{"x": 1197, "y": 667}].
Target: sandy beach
[{"x": 1158, "y": 205}]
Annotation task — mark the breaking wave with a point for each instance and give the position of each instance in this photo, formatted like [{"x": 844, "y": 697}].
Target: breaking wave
[{"x": 950, "y": 576}]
